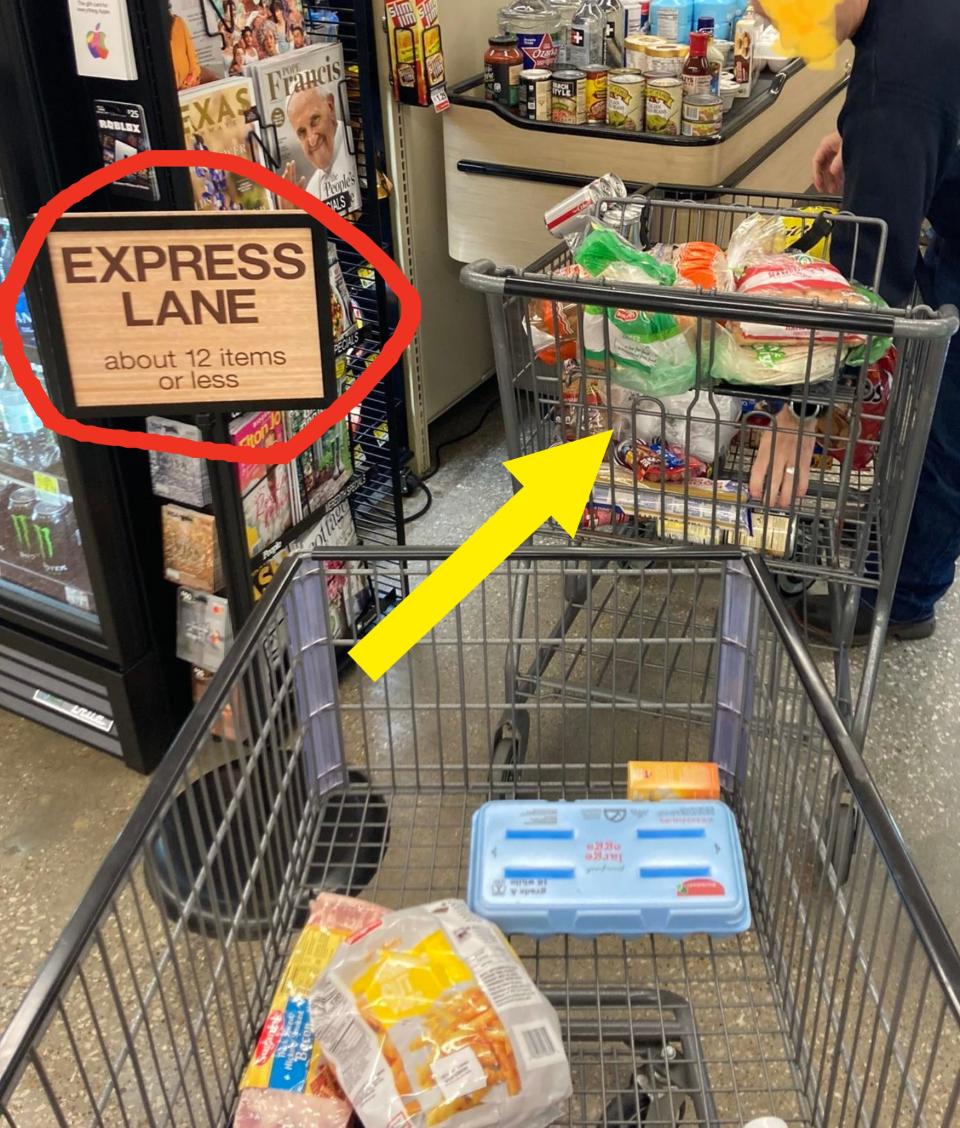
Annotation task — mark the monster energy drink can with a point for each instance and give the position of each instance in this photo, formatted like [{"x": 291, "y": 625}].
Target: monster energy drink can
[
  {"x": 54, "y": 532},
  {"x": 20, "y": 512}
]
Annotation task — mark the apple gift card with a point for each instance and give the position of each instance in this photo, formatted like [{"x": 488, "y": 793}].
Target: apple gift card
[{"x": 102, "y": 44}]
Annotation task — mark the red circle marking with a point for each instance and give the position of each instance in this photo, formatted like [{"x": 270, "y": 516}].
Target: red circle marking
[{"x": 10, "y": 289}]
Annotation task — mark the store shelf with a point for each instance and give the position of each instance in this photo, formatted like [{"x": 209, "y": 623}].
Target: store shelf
[
  {"x": 503, "y": 172},
  {"x": 41, "y": 583},
  {"x": 50, "y": 481},
  {"x": 768, "y": 89}
]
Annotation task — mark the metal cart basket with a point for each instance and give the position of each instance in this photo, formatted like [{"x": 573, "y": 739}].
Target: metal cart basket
[
  {"x": 564, "y": 370},
  {"x": 839, "y": 1006}
]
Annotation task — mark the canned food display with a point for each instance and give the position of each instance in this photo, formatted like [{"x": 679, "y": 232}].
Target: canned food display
[
  {"x": 635, "y": 51},
  {"x": 703, "y": 108},
  {"x": 625, "y": 101},
  {"x": 664, "y": 60},
  {"x": 569, "y": 90},
  {"x": 536, "y": 95},
  {"x": 597, "y": 86},
  {"x": 700, "y": 128},
  {"x": 664, "y": 99}
]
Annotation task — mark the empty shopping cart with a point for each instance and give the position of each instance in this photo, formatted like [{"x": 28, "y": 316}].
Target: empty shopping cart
[{"x": 838, "y": 1007}]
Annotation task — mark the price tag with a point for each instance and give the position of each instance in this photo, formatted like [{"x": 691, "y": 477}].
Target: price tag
[
  {"x": 45, "y": 483},
  {"x": 78, "y": 598}
]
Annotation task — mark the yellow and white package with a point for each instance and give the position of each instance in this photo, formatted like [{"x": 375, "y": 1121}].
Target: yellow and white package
[
  {"x": 431, "y": 1019},
  {"x": 287, "y": 1063}
]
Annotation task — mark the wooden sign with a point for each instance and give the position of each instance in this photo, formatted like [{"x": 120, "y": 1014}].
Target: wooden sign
[{"x": 172, "y": 312}]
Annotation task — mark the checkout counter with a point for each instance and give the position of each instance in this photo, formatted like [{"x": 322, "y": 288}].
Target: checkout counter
[{"x": 503, "y": 172}]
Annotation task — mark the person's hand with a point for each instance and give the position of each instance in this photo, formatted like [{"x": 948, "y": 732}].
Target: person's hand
[
  {"x": 828, "y": 166},
  {"x": 782, "y": 461},
  {"x": 290, "y": 174}
]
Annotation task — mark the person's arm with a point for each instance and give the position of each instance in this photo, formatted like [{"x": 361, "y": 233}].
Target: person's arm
[{"x": 893, "y": 149}]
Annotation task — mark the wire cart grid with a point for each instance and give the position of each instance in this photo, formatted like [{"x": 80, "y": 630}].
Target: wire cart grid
[{"x": 839, "y": 1007}]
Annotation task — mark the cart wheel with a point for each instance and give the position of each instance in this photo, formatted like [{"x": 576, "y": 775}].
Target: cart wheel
[
  {"x": 637, "y": 1106},
  {"x": 842, "y": 830},
  {"x": 509, "y": 752}
]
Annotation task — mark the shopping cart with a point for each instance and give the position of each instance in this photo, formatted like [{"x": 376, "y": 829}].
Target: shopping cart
[
  {"x": 839, "y": 1006},
  {"x": 848, "y": 528}
]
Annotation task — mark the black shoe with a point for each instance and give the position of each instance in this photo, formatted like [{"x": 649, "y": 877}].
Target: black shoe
[{"x": 815, "y": 616}]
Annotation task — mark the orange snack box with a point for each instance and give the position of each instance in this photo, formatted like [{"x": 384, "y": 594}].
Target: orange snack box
[{"x": 655, "y": 780}]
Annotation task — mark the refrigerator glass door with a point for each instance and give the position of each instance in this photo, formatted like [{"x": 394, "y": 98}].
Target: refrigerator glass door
[{"x": 42, "y": 564}]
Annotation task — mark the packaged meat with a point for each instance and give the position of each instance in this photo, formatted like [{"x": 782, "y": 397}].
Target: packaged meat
[
  {"x": 288, "y": 1073},
  {"x": 432, "y": 1019}
]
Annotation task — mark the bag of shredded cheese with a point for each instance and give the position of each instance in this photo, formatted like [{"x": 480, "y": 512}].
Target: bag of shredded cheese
[{"x": 431, "y": 1019}]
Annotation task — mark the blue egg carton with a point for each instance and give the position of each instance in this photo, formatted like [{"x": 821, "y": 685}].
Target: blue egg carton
[{"x": 594, "y": 867}]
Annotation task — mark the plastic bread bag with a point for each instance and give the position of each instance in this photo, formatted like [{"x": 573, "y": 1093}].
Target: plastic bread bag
[
  {"x": 648, "y": 352},
  {"x": 874, "y": 350},
  {"x": 758, "y": 235},
  {"x": 770, "y": 363},
  {"x": 552, "y": 326},
  {"x": 287, "y": 1077},
  {"x": 702, "y": 266},
  {"x": 431, "y": 1019},
  {"x": 712, "y": 423},
  {"x": 798, "y": 278}
]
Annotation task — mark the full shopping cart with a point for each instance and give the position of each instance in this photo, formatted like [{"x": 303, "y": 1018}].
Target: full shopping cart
[
  {"x": 839, "y": 1007},
  {"x": 873, "y": 411}
]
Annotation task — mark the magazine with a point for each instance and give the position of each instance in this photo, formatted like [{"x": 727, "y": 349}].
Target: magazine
[
  {"x": 299, "y": 95},
  {"x": 266, "y": 509},
  {"x": 324, "y": 469},
  {"x": 222, "y": 118},
  {"x": 348, "y": 591},
  {"x": 215, "y": 39},
  {"x": 255, "y": 429}
]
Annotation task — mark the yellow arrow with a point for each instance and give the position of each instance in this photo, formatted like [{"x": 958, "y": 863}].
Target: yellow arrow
[{"x": 556, "y": 483}]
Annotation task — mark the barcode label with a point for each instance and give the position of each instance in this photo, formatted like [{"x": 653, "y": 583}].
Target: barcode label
[{"x": 538, "y": 1045}]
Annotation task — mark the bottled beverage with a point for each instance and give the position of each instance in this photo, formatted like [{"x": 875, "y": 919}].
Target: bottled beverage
[
  {"x": 56, "y": 536},
  {"x": 586, "y": 36},
  {"x": 8, "y": 544},
  {"x": 537, "y": 29},
  {"x": 671, "y": 20},
  {"x": 20, "y": 512},
  {"x": 612, "y": 15},
  {"x": 27, "y": 442},
  {"x": 697, "y": 78},
  {"x": 717, "y": 16},
  {"x": 565, "y": 10}
]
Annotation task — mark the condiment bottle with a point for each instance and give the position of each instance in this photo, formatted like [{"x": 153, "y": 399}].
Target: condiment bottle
[{"x": 696, "y": 75}]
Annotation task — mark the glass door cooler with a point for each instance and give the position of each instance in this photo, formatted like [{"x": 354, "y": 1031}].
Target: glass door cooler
[{"x": 82, "y": 628}]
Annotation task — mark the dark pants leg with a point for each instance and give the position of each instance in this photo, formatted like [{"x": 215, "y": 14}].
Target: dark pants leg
[{"x": 933, "y": 541}]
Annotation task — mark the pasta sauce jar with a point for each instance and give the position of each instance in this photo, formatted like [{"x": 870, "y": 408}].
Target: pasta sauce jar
[{"x": 502, "y": 65}]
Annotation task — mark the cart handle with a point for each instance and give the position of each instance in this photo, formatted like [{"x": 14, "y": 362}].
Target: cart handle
[{"x": 508, "y": 282}]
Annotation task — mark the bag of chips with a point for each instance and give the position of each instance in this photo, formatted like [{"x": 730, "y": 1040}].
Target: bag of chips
[{"x": 431, "y": 1019}]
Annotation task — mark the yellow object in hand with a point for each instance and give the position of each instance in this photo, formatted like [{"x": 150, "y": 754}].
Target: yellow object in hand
[{"x": 807, "y": 28}]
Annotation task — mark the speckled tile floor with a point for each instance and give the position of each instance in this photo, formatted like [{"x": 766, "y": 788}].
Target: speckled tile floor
[{"x": 61, "y": 805}]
